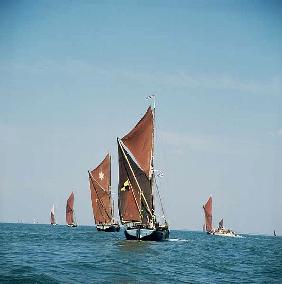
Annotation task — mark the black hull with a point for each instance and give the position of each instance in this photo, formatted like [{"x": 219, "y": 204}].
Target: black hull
[
  {"x": 112, "y": 228},
  {"x": 158, "y": 235},
  {"x": 72, "y": 225}
]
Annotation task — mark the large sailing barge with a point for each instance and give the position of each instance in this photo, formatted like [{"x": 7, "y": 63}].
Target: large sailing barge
[{"x": 137, "y": 182}]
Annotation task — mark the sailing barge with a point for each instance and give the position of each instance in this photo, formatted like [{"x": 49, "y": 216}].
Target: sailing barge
[
  {"x": 70, "y": 216},
  {"x": 52, "y": 216},
  {"x": 102, "y": 204},
  {"x": 220, "y": 231},
  {"x": 137, "y": 182}
]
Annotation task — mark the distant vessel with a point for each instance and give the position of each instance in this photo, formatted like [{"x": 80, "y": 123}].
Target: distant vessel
[
  {"x": 220, "y": 231},
  {"x": 70, "y": 219},
  {"x": 208, "y": 216},
  {"x": 52, "y": 216},
  {"x": 274, "y": 233},
  {"x": 102, "y": 205},
  {"x": 137, "y": 182}
]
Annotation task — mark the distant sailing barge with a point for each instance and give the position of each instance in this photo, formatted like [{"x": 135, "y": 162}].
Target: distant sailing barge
[
  {"x": 220, "y": 231},
  {"x": 102, "y": 205},
  {"x": 52, "y": 216},
  {"x": 137, "y": 182},
  {"x": 70, "y": 216}
]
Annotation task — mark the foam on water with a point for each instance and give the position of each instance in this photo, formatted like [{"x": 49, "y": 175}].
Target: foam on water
[{"x": 177, "y": 240}]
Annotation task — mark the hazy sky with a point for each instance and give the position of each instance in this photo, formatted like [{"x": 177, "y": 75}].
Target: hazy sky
[{"x": 74, "y": 75}]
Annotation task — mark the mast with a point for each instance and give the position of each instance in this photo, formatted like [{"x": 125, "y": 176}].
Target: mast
[
  {"x": 153, "y": 181},
  {"x": 110, "y": 190}
]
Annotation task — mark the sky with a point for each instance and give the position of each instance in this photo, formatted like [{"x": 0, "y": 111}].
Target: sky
[{"x": 74, "y": 76}]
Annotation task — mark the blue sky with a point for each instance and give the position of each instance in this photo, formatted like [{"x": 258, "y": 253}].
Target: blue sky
[{"x": 74, "y": 75}]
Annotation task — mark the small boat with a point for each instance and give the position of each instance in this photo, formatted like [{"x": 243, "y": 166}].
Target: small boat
[
  {"x": 220, "y": 231},
  {"x": 52, "y": 216},
  {"x": 137, "y": 182},
  {"x": 274, "y": 233},
  {"x": 70, "y": 216},
  {"x": 102, "y": 204}
]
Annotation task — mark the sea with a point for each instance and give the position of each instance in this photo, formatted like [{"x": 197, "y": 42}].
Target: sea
[{"x": 34, "y": 253}]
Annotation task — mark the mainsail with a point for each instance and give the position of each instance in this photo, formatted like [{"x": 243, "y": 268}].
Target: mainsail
[
  {"x": 52, "y": 217},
  {"x": 100, "y": 188},
  {"x": 69, "y": 210},
  {"x": 208, "y": 214},
  {"x": 136, "y": 173}
]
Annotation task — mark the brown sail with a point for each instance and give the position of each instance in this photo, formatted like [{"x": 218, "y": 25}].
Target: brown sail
[
  {"x": 135, "y": 192},
  {"x": 208, "y": 214},
  {"x": 69, "y": 210},
  {"x": 139, "y": 141},
  {"x": 100, "y": 188}
]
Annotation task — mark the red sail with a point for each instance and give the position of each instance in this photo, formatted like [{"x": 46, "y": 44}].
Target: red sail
[
  {"x": 69, "y": 210},
  {"x": 208, "y": 214},
  {"x": 100, "y": 183},
  {"x": 140, "y": 141},
  {"x": 220, "y": 224},
  {"x": 129, "y": 194}
]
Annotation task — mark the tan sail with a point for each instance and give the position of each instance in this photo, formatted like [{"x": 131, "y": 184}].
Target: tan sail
[
  {"x": 69, "y": 210},
  {"x": 100, "y": 188},
  {"x": 208, "y": 214},
  {"x": 135, "y": 172}
]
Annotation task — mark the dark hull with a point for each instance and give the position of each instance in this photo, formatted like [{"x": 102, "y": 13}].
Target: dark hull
[
  {"x": 112, "y": 228},
  {"x": 158, "y": 234},
  {"x": 72, "y": 225}
]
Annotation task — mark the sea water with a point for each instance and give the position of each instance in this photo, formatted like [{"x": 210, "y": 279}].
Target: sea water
[{"x": 59, "y": 254}]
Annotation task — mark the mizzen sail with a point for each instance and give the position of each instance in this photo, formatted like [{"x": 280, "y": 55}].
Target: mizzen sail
[
  {"x": 208, "y": 214},
  {"x": 100, "y": 188},
  {"x": 69, "y": 210}
]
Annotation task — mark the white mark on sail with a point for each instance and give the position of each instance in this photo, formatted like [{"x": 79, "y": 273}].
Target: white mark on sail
[{"x": 101, "y": 175}]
